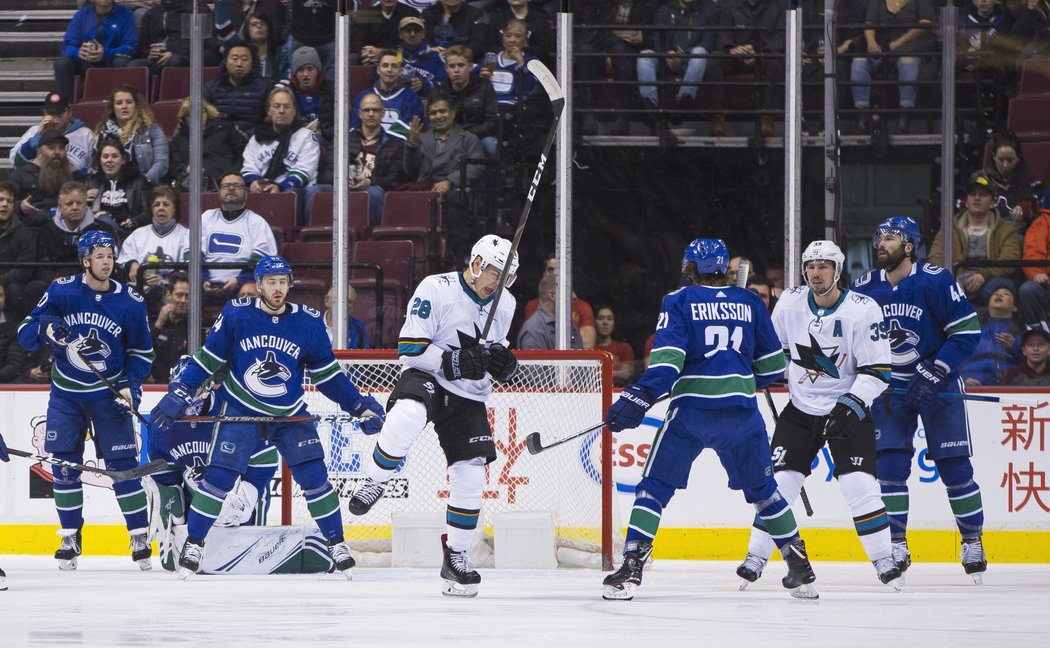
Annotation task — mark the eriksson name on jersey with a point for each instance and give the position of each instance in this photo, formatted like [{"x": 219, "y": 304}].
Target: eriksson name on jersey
[
  {"x": 270, "y": 342},
  {"x": 741, "y": 312},
  {"x": 902, "y": 310},
  {"x": 95, "y": 319}
]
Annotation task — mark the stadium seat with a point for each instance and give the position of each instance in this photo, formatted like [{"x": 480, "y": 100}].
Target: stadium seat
[
  {"x": 360, "y": 78},
  {"x": 278, "y": 210},
  {"x": 167, "y": 115},
  {"x": 297, "y": 252},
  {"x": 412, "y": 216},
  {"x": 99, "y": 82},
  {"x": 175, "y": 82},
  {"x": 394, "y": 257},
  {"x": 1027, "y": 117},
  {"x": 320, "y": 227},
  {"x": 208, "y": 201},
  {"x": 89, "y": 112},
  {"x": 381, "y": 334},
  {"x": 1037, "y": 159}
]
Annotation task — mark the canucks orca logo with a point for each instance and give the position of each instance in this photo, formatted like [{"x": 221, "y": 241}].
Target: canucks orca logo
[
  {"x": 267, "y": 377},
  {"x": 818, "y": 361},
  {"x": 902, "y": 337},
  {"x": 91, "y": 349}
]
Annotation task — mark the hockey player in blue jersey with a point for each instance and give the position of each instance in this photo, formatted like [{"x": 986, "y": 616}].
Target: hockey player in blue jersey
[
  {"x": 714, "y": 345},
  {"x": 932, "y": 329},
  {"x": 91, "y": 318},
  {"x": 5, "y": 458},
  {"x": 269, "y": 344}
]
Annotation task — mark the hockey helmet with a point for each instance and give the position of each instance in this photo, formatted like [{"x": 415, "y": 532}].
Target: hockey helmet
[
  {"x": 709, "y": 255},
  {"x": 824, "y": 251},
  {"x": 494, "y": 250},
  {"x": 88, "y": 241},
  {"x": 903, "y": 225},
  {"x": 272, "y": 265}
]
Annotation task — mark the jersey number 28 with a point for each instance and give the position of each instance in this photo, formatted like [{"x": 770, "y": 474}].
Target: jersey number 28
[{"x": 721, "y": 338}]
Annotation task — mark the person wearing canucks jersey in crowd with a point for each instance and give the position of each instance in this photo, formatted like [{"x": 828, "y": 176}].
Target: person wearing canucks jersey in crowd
[
  {"x": 95, "y": 324},
  {"x": 932, "y": 329},
  {"x": 269, "y": 344},
  {"x": 714, "y": 345}
]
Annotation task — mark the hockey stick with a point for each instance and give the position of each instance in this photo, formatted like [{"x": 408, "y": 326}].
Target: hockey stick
[
  {"x": 536, "y": 446},
  {"x": 112, "y": 387},
  {"x": 980, "y": 398},
  {"x": 776, "y": 421},
  {"x": 250, "y": 419},
  {"x": 137, "y": 472},
  {"x": 557, "y": 98}
]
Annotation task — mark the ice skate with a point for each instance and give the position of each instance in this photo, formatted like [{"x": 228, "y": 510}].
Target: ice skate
[
  {"x": 458, "y": 572},
  {"x": 366, "y": 495},
  {"x": 800, "y": 576},
  {"x": 69, "y": 550},
  {"x": 621, "y": 584},
  {"x": 341, "y": 556},
  {"x": 3, "y": 581},
  {"x": 750, "y": 570},
  {"x": 901, "y": 555},
  {"x": 973, "y": 559},
  {"x": 191, "y": 558},
  {"x": 141, "y": 552},
  {"x": 888, "y": 572}
]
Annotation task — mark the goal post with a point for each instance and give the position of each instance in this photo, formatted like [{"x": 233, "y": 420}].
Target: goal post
[{"x": 555, "y": 393}]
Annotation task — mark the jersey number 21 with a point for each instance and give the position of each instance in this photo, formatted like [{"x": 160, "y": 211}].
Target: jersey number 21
[{"x": 721, "y": 338}]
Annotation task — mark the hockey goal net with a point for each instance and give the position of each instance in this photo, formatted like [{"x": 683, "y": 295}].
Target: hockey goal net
[{"x": 555, "y": 393}]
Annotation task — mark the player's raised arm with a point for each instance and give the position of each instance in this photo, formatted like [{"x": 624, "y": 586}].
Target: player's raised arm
[{"x": 957, "y": 318}]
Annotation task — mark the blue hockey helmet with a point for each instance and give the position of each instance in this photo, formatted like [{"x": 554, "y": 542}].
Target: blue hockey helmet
[
  {"x": 709, "y": 255},
  {"x": 902, "y": 225},
  {"x": 88, "y": 241},
  {"x": 272, "y": 265}
]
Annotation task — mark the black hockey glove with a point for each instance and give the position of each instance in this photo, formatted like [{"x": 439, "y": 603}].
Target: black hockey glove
[
  {"x": 465, "y": 364},
  {"x": 629, "y": 410},
  {"x": 847, "y": 413},
  {"x": 502, "y": 365},
  {"x": 926, "y": 382}
]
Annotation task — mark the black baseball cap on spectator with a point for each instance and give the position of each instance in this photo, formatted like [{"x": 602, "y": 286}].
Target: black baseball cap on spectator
[
  {"x": 52, "y": 136},
  {"x": 981, "y": 181},
  {"x": 55, "y": 103},
  {"x": 1034, "y": 331}
]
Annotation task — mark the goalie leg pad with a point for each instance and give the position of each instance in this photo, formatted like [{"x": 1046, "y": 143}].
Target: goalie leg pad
[{"x": 467, "y": 486}]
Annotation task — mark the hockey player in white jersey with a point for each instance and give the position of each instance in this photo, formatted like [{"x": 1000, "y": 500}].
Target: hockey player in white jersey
[
  {"x": 445, "y": 379},
  {"x": 839, "y": 362}
]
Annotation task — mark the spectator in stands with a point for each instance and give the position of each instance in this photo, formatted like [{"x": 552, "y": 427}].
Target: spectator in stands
[
  {"x": 12, "y": 355},
  {"x": 238, "y": 93},
  {"x": 18, "y": 243},
  {"x": 163, "y": 42},
  {"x": 701, "y": 14},
  {"x": 776, "y": 276},
  {"x": 472, "y": 98},
  {"x": 58, "y": 116},
  {"x": 129, "y": 119},
  {"x": 314, "y": 93},
  {"x": 272, "y": 58},
  {"x": 454, "y": 22},
  {"x": 313, "y": 24},
  {"x": 1035, "y": 292},
  {"x": 171, "y": 327},
  {"x": 540, "y": 33},
  {"x": 248, "y": 291},
  {"x": 993, "y": 37},
  {"x": 582, "y": 313},
  {"x": 221, "y": 147},
  {"x": 356, "y": 334},
  {"x": 117, "y": 191},
  {"x": 538, "y": 331},
  {"x": 979, "y": 234},
  {"x": 58, "y": 236},
  {"x": 164, "y": 240},
  {"x": 423, "y": 67},
  {"x": 997, "y": 349},
  {"x": 622, "y": 353},
  {"x": 39, "y": 365},
  {"x": 511, "y": 80},
  {"x": 233, "y": 234},
  {"x": 763, "y": 287},
  {"x": 378, "y": 28},
  {"x": 231, "y": 18},
  {"x": 897, "y": 45},
  {"x": 401, "y": 103},
  {"x": 1035, "y": 370},
  {"x": 101, "y": 34},
  {"x": 39, "y": 181},
  {"x": 1008, "y": 175},
  {"x": 377, "y": 157},
  {"x": 731, "y": 269}
]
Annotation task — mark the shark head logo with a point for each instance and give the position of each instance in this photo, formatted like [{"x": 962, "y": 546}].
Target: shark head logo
[
  {"x": 90, "y": 349},
  {"x": 267, "y": 377}
]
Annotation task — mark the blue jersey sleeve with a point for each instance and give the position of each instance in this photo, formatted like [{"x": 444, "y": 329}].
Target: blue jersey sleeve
[
  {"x": 218, "y": 347},
  {"x": 30, "y": 332},
  {"x": 769, "y": 362},
  {"x": 670, "y": 343},
  {"x": 139, "y": 342},
  {"x": 324, "y": 370},
  {"x": 956, "y": 317}
]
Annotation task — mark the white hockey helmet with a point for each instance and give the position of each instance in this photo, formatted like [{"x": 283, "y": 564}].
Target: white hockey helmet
[
  {"x": 824, "y": 251},
  {"x": 494, "y": 250}
]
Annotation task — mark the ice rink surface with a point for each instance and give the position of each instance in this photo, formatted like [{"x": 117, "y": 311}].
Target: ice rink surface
[{"x": 108, "y": 602}]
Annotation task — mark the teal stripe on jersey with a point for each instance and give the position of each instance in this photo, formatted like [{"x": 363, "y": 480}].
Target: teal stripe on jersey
[
  {"x": 714, "y": 386},
  {"x": 773, "y": 363},
  {"x": 385, "y": 461},
  {"x": 324, "y": 504},
  {"x": 69, "y": 499},
  {"x": 462, "y": 518},
  {"x": 667, "y": 356},
  {"x": 644, "y": 521},
  {"x": 63, "y": 381},
  {"x": 132, "y": 502},
  {"x": 782, "y": 525},
  {"x": 873, "y": 522},
  {"x": 967, "y": 504},
  {"x": 896, "y": 504},
  {"x": 412, "y": 346},
  {"x": 327, "y": 372},
  {"x": 208, "y": 360},
  {"x": 966, "y": 325},
  {"x": 265, "y": 458},
  {"x": 206, "y": 504}
]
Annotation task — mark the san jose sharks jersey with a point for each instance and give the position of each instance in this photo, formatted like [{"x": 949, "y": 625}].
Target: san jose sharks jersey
[
  {"x": 109, "y": 329},
  {"x": 712, "y": 347},
  {"x": 831, "y": 351},
  {"x": 445, "y": 314},
  {"x": 927, "y": 317},
  {"x": 268, "y": 356}
]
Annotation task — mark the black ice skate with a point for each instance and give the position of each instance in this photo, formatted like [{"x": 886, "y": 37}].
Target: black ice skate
[
  {"x": 68, "y": 551},
  {"x": 458, "y": 572},
  {"x": 621, "y": 584},
  {"x": 888, "y": 572},
  {"x": 3, "y": 581},
  {"x": 750, "y": 570},
  {"x": 973, "y": 558},
  {"x": 366, "y": 495},
  {"x": 341, "y": 556},
  {"x": 800, "y": 576},
  {"x": 141, "y": 552},
  {"x": 901, "y": 555},
  {"x": 191, "y": 558}
]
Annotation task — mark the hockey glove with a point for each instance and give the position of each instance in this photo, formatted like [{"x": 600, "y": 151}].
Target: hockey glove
[
  {"x": 927, "y": 381},
  {"x": 54, "y": 329},
  {"x": 3, "y": 450},
  {"x": 170, "y": 408},
  {"x": 130, "y": 396},
  {"x": 503, "y": 364},
  {"x": 465, "y": 364},
  {"x": 370, "y": 413},
  {"x": 629, "y": 410},
  {"x": 847, "y": 413}
]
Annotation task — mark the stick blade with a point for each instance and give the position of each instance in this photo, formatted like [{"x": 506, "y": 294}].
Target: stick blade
[
  {"x": 532, "y": 442},
  {"x": 156, "y": 465},
  {"x": 547, "y": 80}
]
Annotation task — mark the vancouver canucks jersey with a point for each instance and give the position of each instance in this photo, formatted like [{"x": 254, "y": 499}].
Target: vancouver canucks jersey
[
  {"x": 109, "y": 329},
  {"x": 834, "y": 350},
  {"x": 445, "y": 314},
  {"x": 927, "y": 317},
  {"x": 268, "y": 356},
  {"x": 713, "y": 346}
]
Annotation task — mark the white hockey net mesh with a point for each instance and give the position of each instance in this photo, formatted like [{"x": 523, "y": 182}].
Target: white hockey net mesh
[{"x": 554, "y": 393}]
